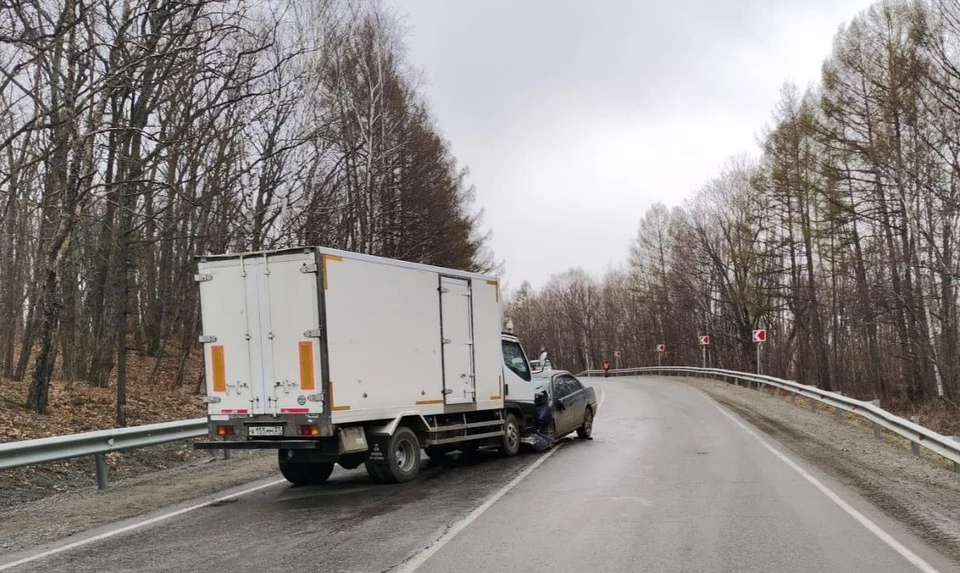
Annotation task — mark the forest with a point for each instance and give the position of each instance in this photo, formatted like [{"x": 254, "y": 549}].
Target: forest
[
  {"x": 136, "y": 135},
  {"x": 841, "y": 237}
]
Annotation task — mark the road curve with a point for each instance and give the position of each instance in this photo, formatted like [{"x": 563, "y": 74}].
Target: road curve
[{"x": 670, "y": 483}]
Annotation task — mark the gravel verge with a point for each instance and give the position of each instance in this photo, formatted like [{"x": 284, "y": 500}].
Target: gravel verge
[
  {"x": 919, "y": 492},
  {"x": 54, "y": 517}
]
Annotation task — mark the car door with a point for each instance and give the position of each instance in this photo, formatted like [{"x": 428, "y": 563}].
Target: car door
[{"x": 574, "y": 401}]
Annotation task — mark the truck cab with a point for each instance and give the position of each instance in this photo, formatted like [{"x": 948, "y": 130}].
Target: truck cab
[{"x": 518, "y": 385}]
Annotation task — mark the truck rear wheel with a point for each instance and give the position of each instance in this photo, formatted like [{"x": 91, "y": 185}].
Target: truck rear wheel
[
  {"x": 403, "y": 457},
  {"x": 510, "y": 445},
  {"x": 306, "y": 473}
]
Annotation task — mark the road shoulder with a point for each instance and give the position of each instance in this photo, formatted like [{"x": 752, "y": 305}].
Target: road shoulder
[{"x": 57, "y": 517}]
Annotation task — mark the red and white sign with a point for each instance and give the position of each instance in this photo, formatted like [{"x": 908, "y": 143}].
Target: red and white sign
[
  {"x": 705, "y": 340},
  {"x": 661, "y": 348},
  {"x": 618, "y": 354},
  {"x": 760, "y": 335}
]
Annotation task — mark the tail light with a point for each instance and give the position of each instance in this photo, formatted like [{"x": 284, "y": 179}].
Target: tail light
[
  {"x": 309, "y": 430},
  {"x": 224, "y": 430}
]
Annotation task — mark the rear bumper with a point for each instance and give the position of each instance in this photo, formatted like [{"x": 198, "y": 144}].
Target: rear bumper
[
  {"x": 260, "y": 445},
  {"x": 289, "y": 424}
]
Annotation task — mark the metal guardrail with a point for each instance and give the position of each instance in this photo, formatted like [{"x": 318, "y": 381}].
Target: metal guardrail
[
  {"x": 918, "y": 436},
  {"x": 97, "y": 444}
]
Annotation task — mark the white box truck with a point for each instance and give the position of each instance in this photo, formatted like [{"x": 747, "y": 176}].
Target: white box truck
[{"x": 335, "y": 357}]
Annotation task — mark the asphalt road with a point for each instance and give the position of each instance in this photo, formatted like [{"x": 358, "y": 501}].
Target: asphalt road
[{"x": 670, "y": 483}]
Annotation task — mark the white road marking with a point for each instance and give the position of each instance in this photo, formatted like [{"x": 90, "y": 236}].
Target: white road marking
[
  {"x": 420, "y": 558},
  {"x": 603, "y": 396},
  {"x": 134, "y": 526},
  {"x": 872, "y": 527}
]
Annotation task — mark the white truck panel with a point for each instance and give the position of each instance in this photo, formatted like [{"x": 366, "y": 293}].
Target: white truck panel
[
  {"x": 224, "y": 318},
  {"x": 291, "y": 319},
  {"x": 456, "y": 319},
  {"x": 260, "y": 308},
  {"x": 487, "y": 322},
  {"x": 383, "y": 336}
]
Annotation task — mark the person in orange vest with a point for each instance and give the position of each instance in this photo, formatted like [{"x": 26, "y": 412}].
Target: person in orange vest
[{"x": 606, "y": 368}]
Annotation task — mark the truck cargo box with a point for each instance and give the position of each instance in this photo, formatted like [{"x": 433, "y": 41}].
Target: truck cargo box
[{"x": 334, "y": 337}]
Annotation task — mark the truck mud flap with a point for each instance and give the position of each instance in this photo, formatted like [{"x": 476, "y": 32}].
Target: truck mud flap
[{"x": 379, "y": 445}]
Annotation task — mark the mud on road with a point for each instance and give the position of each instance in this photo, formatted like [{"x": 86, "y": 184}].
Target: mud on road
[{"x": 914, "y": 491}]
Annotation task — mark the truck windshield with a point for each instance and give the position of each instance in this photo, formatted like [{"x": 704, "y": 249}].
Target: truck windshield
[{"x": 515, "y": 360}]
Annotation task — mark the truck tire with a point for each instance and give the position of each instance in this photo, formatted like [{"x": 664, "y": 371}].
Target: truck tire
[
  {"x": 586, "y": 429},
  {"x": 510, "y": 445},
  {"x": 403, "y": 457},
  {"x": 306, "y": 473}
]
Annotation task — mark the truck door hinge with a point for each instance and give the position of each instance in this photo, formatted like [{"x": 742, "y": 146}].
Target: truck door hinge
[
  {"x": 447, "y": 341},
  {"x": 445, "y": 392},
  {"x": 315, "y": 333},
  {"x": 207, "y": 339},
  {"x": 444, "y": 290},
  {"x": 311, "y": 268},
  {"x": 202, "y": 278}
]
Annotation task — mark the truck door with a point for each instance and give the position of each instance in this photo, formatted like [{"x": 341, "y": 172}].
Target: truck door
[
  {"x": 290, "y": 331},
  {"x": 261, "y": 323},
  {"x": 456, "y": 321}
]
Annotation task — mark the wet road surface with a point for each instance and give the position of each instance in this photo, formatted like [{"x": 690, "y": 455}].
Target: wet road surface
[{"x": 670, "y": 483}]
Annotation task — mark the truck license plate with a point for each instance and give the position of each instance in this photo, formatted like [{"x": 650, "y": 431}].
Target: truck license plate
[{"x": 265, "y": 430}]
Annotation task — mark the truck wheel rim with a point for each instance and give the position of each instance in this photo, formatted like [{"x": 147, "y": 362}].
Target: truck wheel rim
[
  {"x": 513, "y": 436},
  {"x": 404, "y": 456}
]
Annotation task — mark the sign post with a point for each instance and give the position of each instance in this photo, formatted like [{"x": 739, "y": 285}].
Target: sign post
[
  {"x": 759, "y": 336},
  {"x": 661, "y": 348},
  {"x": 704, "y": 343},
  {"x": 617, "y": 355}
]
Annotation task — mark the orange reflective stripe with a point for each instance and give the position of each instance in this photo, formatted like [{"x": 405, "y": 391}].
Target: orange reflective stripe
[
  {"x": 307, "y": 381},
  {"x": 218, "y": 365}
]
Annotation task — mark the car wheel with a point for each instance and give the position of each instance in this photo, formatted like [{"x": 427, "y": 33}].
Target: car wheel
[
  {"x": 403, "y": 456},
  {"x": 511, "y": 436},
  {"x": 586, "y": 429}
]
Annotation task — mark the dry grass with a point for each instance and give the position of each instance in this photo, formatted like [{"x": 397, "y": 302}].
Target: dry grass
[{"x": 79, "y": 407}]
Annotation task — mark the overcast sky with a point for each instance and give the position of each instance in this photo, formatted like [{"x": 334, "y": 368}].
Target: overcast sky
[{"x": 574, "y": 117}]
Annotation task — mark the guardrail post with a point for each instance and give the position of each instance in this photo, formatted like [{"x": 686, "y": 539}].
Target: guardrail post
[
  {"x": 776, "y": 392},
  {"x": 877, "y": 432},
  {"x": 956, "y": 465},
  {"x": 914, "y": 445},
  {"x": 226, "y": 454},
  {"x": 101, "y": 462},
  {"x": 839, "y": 414},
  {"x": 793, "y": 398},
  {"x": 813, "y": 405}
]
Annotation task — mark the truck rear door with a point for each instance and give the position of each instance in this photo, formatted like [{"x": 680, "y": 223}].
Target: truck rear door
[
  {"x": 261, "y": 333},
  {"x": 459, "y": 380}
]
